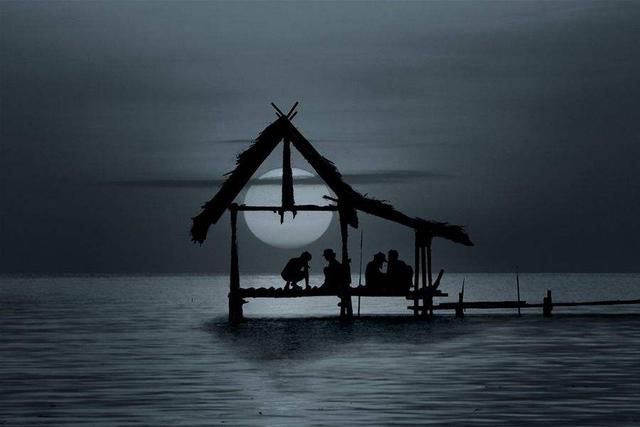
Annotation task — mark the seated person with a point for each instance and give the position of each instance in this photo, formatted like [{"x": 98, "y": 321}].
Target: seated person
[
  {"x": 296, "y": 270},
  {"x": 334, "y": 274},
  {"x": 373, "y": 275},
  {"x": 399, "y": 274}
]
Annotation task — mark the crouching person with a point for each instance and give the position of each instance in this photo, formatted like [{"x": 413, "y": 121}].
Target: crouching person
[{"x": 296, "y": 270}]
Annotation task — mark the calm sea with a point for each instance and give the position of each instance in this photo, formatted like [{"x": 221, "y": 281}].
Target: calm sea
[{"x": 149, "y": 350}]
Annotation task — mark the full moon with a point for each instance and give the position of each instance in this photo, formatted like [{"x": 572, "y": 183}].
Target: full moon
[{"x": 297, "y": 232}]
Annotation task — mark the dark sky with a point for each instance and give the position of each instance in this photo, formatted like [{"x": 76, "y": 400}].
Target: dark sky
[{"x": 519, "y": 120}]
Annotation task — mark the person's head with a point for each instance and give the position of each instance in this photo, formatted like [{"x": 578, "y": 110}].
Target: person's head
[
  {"x": 393, "y": 255},
  {"x": 379, "y": 258},
  {"x": 329, "y": 254},
  {"x": 306, "y": 256}
]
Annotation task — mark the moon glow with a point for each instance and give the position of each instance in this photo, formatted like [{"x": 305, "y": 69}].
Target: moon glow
[{"x": 296, "y": 232}]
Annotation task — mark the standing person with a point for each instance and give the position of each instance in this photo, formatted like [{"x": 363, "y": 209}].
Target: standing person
[
  {"x": 399, "y": 274},
  {"x": 373, "y": 275},
  {"x": 296, "y": 270},
  {"x": 333, "y": 272}
]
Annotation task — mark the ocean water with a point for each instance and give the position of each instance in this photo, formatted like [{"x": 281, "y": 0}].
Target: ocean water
[{"x": 157, "y": 350}]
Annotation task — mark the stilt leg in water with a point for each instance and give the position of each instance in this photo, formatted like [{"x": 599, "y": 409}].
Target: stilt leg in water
[
  {"x": 235, "y": 302},
  {"x": 547, "y": 304}
]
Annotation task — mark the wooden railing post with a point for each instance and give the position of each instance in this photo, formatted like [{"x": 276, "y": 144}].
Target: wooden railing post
[
  {"x": 427, "y": 278},
  {"x": 460, "y": 306}
]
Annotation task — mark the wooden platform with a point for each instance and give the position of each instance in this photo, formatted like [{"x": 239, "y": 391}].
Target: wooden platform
[{"x": 315, "y": 291}]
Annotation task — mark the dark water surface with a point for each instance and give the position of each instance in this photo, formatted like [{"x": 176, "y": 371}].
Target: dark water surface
[{"x": 158, "y": 351}]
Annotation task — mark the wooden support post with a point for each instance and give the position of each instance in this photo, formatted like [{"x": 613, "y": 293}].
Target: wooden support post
[
  {"x": 423, "y": 267},
  {"x": 288, "y": 201},
  {"x": 346, "y": 309},
  {"x": 547, "y": 304},
  {"x": 416, "y": 278},
  {"x": 427, "y": 278},
  {"x": 430, "y": 276},
  {"x": 460, "y": 307},
  {"x": 423, "y": 263},
  {"x": 235, "y": 301},
  {"x": 518, "y": 289}
]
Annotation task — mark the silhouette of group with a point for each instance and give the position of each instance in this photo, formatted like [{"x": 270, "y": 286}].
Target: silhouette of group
[
  {"x": 297, "y": 269},
  {"x": 397, "y": 276}
]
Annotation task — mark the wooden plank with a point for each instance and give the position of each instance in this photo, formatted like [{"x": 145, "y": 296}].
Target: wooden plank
[
  {"x": 610, "y": 302},
  {"x": 285, "y": 293},
  {"x": 317, "y": 291},
  {"x": 524, "y": 304}
]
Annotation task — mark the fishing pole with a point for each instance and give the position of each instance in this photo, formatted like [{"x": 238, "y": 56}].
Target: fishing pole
[
  {"x": 518, "y": 287},
  {"x": 360, "y": 273}
]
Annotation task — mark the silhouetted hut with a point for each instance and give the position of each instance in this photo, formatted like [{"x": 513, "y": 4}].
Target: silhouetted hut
[{"x": 347, "y": 203}]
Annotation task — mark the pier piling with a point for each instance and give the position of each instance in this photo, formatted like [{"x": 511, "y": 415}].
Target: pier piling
[{"x": 547, "y": 304}]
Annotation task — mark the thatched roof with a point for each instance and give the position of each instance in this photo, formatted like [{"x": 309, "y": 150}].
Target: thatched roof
[{"x": 249, "y": 161}]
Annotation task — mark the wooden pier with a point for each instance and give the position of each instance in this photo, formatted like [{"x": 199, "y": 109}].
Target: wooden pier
[
  {"x": 458, "y": 308},
  {"x": 547, "y": 304}
]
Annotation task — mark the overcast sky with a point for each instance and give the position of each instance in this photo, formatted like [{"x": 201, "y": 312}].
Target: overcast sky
[{"x": 519, "y": 120}]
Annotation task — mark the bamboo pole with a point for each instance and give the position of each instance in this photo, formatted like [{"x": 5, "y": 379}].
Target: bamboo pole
[
  {"x": 429, "y": 276},
  {"x": 360, "y": 272},
  {"x": 460, "y": 306},
  {"x": 289, "y": 116},
  {"x": 518, "y": 288},
  {"x": 425, "y": 301},
  {"x": 276, "y": 209}
]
